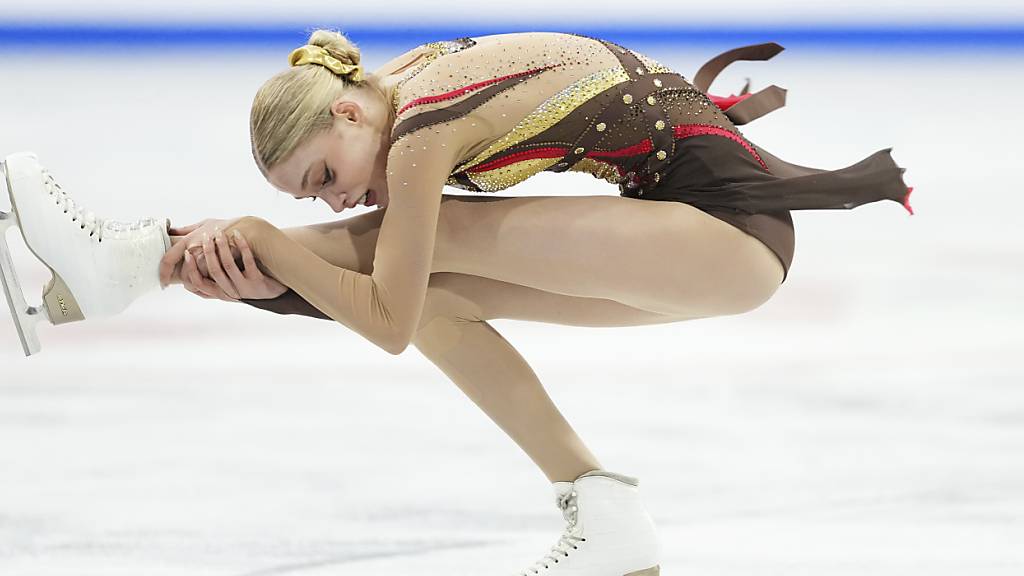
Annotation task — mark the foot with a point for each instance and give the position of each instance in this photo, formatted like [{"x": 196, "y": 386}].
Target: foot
[
  {"x": 99, "y": 265},
  {"x": 608, "y": 531}
]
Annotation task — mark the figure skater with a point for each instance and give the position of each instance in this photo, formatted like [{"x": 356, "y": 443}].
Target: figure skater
[{"x": 431, "y": 269}]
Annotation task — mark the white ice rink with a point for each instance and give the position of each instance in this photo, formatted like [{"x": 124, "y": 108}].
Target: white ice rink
[{"x": 868, "y": 420}]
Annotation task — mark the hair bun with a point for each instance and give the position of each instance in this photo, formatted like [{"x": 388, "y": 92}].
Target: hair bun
[{"x": 340, "y": 48}]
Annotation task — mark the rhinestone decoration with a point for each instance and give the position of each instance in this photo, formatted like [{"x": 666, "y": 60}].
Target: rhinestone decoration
[
  {"x": 598, "y": 169},
  {"x": 437, "y": 49},
  {"x": 537, "y": 120},
  {"x": 554, "y": 109},
  {"x": 501, "y": 178},
  {"x": 651, "y": 64}
]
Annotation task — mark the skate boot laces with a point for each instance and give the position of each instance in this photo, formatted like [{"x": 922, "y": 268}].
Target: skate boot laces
[
  {"x": 86, "y": 219},
  {"x": 568, "y": 539}
]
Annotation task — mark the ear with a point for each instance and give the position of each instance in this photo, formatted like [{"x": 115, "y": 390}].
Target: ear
[{"x": 346, "y": 110}]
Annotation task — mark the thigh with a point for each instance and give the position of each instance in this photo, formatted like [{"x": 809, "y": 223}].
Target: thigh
[
  {"x": 351, "y": 242},
  {"x": 348, "y": 243},
  {"x": 662, "y": 256},
  {"x": 455, "y": 296}
]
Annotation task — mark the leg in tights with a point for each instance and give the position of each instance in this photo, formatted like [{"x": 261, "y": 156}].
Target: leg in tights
[
  {"x": 455, "y": 336},
  {"x": 665, "y": 257}
]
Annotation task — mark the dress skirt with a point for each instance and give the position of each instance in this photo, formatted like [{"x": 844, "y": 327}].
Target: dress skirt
[
  {"x": 753, "y": 189},
  {"x": 721, "y": 178}
]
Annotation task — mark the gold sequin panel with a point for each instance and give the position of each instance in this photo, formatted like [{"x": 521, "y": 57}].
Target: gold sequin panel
[
  {"x": 501, "y": 178},
  {"x": 551, "y": 111},
  {"x": 598, "y": 169}
]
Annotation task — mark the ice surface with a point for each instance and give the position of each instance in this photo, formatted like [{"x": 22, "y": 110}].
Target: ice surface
[{"x": 867, "y": 420}]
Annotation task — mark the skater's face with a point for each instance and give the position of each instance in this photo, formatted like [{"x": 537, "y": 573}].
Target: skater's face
[{"x": 341, "y": 163}]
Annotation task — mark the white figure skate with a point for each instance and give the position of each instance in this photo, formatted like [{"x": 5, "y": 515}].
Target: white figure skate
[
  {"x": 99, "y": 266},
  {"x": 609, "y": 531}
]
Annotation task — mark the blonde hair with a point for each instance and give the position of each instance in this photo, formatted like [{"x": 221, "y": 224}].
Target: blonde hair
[{"x": 295, "y": 104}]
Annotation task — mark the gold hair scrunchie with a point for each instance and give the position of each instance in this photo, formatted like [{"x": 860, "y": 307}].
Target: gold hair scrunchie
[{"x": 310, "y": 54}]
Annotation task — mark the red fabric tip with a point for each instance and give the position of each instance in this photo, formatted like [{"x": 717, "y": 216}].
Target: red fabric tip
[
  {"x": 906, "y": 200},
  {"x": 726, "y": 102}
]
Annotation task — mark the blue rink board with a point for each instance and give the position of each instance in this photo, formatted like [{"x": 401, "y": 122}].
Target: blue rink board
[{"x": 40, "y": 35}]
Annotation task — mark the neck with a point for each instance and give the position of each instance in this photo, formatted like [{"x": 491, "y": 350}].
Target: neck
[{"x": 385, "y": 92}]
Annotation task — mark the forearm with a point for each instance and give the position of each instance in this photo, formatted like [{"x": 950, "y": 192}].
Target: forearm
[
  {"x": 342, "y": 245},
  {"x": 347, "y": 296}
]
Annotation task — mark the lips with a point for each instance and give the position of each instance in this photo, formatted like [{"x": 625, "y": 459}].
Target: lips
[
  {"x": 355, "y": 202},
  {"x": 368, "y": 198}
]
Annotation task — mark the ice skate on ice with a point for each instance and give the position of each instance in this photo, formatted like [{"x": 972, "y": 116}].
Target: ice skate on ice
[
  {"x": 99, "y": 266},
  {"x": 609, "y": 532}
]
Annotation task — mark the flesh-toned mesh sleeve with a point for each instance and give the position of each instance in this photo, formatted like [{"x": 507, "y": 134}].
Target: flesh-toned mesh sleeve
[{"x": 385, "y": 306}]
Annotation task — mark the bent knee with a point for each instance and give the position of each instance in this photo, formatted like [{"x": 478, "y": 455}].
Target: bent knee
[
  {"x": 755, "y": 289},
  {"x": 444, "y": 309},
  {"x": 736, "y": 282},
  {"x": 446, "y": 296}
]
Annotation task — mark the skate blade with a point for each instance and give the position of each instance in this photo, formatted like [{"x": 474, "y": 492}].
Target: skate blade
[
  {"x": 59, "y": 304},
  {"x": 652, "y": 571},
  {"x": 25, "y": 317}
]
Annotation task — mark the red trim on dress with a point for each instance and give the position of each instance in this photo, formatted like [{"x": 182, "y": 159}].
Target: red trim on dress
[
  {"x": 686, "y": 130},
  {"x": 460, "y": 91},
  {"x": 550, "y": 152},
  {"x": 725, "y": 102},
  {"x": 642, "y": 147}
]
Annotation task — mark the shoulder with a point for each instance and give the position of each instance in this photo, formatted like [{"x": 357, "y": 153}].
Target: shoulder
[
  {"x": 426, "y": 81},
  {"x": 430, "y": 105}
]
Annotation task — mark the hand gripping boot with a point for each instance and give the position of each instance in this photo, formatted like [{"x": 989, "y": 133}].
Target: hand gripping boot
[
  {"x": 609, "y": 531},
  {"x": 99, "y": 266}
]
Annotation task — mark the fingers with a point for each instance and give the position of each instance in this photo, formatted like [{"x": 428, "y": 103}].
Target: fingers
[
  {"x": 201, "y": 284},
  {"x": 176, "y": 231},
  {"x": 227, "y": 260},
  {"x": 248, "y": 260},
  {"x": 188, "y": 275},
  {"x": 201, "y": 265},
  {"x": 215, "y": 270},
  {"x": 170, "y": 259}
]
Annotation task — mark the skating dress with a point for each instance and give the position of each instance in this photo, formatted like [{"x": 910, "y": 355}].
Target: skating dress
[{"x": 601, "y": 108}]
